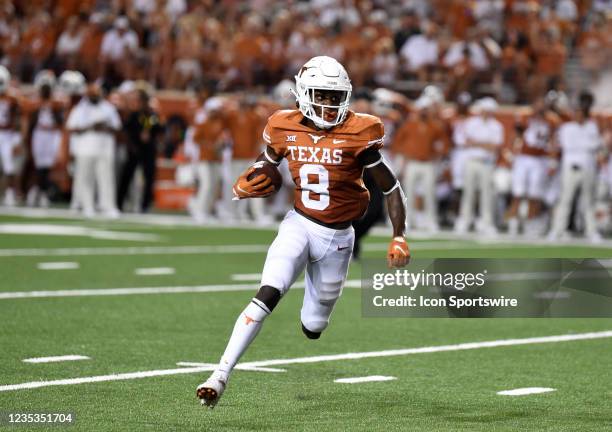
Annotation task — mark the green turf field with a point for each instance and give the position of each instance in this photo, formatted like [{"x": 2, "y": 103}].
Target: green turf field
[{"x": 125, "y": 334}]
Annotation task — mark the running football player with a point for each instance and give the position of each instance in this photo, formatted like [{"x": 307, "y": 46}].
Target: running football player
[{"x": 327, "y": 147}]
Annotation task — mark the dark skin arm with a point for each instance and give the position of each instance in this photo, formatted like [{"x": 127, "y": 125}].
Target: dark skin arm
[{"x": 385, "y": 179}]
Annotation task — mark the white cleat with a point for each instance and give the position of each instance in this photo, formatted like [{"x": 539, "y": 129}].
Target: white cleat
[{"x": 210, "y": 391}]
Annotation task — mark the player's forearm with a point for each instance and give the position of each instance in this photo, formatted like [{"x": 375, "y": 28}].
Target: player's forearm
[{"x": 397, "y": 212}]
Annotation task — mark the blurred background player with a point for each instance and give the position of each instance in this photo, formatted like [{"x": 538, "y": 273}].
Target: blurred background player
[
  {"x": 210, "y": 136},
  {"x": 93, "y": 124},
  {"x": 580, "y": 142},
  {"x": 44, "y": 137},
  {"x": 143, "y": 129},
  {"x": 530, "y": 168},
  {"x": 71, "y": 88},
  {"x": 245, "y": 120},
  {"x": 484, "y": 137},
  {"x": 458, "y": 150},
  {"x": 10, "y": 137},
  {"x": 421, "y": 141}
]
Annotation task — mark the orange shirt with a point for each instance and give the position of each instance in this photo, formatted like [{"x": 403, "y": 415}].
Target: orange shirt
[
  {"x": 208, "y": 135},
  {"x": 551, "y": 59},
  {"x": 245, "y": 127},
  {"x": 418, "y": 139},
  {"x": 324, "y": 164}
]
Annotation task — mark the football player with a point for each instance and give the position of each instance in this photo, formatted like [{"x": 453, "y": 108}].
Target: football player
[
  {"x": 327, "y": 147},
  {"x": 530, "y": 167},
  {"x": 10, "y": 137}
]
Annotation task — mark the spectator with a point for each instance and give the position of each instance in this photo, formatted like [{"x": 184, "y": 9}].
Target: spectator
[
  {"x": 119, "y": 46},
  {"x": 551, "y": 55},
  {"x": 420, "y": 53},
  {"x": 93, "y": 123},
  {"x": 385, "y": 63},
  {"x": 143, "y": 129},
  {"x": 69, "y": 44},
  {"x": 409, "y": 26},
  {"x": 484, "y": 136}
]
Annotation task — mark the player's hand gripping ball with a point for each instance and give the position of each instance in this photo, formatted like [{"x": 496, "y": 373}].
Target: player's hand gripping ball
[
  {"x": 262, "y": 179},
  {"x": 398, "y": 254}
]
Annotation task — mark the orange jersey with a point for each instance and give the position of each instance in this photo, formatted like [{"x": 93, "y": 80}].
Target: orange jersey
[{"x": 324, "y": 164}]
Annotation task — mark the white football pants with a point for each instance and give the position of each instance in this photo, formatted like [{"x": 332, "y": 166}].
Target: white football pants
[
  {"x": 207, "y": 174},
  {"x": 256, "y": 205},
  {"x": 91, "y": 173},
  {"x": 424, "y": 172},
  {"x": 324, "y": 252},
  {"x": 477, "y": 176},
  {"x": 571, "y": 181}
]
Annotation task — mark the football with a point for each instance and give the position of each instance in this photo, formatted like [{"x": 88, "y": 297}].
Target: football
[{"x": 270, "y": 171}]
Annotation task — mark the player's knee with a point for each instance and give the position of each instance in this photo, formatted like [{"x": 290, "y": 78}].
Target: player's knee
[
  {"x": 269, "y": 296},
  {"x": 314, "y": 329}
]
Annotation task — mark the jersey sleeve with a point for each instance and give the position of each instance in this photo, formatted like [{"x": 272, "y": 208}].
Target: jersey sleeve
[
  {"x": 373, "y": 137},
  {"x": 273, "y": 138}
]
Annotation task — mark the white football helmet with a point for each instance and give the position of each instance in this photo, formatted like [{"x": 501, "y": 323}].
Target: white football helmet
[
  {"x": 72, "y": 83},
  {"x": 383, "y": 100},
  {"x": 5, "y": 79},
  {"x": 434, "y": 93},
  {"x": 283, "y": 93},
  {"x": 327, "y": 74},
  {"x": 44, "y": 77}
]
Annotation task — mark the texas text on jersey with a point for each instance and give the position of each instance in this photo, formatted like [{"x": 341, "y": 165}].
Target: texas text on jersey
[{"x": 325, "y": 164}]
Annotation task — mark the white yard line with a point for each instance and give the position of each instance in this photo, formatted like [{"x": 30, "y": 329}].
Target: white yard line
[
  {"x": 28, "y": 228},
  {"x": 212, "y": 366},
  {"x": 55, "y": 359},
  {"x": 526, "y": 391},
  {"x": 154, "y": 271},
  {"x": 203, "y": 249},
  {"x": 57, "y": 265},
  {"x": 246, "y": 277},
  {"x": 351, "y": 283},
  {"x": 314, "y": 359},
  {"x": 358, "y": 380}
]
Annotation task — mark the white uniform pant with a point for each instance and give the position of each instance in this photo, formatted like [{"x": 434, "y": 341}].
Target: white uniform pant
[
  {"x": 424, "y": 172},
  {"x": 8, "y": 141},
  {"x": 529, "y": 177},
  {"x": 95, "y": 172},
  {"x": 458, "y": 158},
  {"x": 571, "y": 181},
  {"x": 45, "y": 147},
  {"x": 477, "y": 177},
  {"x": 324, "y": 252},
  {"x": 207, "y": 173},
  {"x": 240, "y": 207}
]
